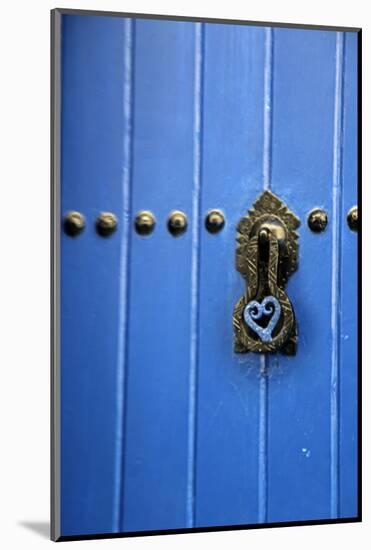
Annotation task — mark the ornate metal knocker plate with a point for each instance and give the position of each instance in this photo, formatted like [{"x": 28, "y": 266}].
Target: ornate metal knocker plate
[{"x": 266, "y": 255}]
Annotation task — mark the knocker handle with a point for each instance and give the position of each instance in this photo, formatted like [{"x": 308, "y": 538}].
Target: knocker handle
[{"x": 264, "y": 319}]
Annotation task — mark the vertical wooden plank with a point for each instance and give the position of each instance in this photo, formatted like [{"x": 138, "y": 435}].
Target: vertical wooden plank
[
  {"x": 227, "y": 449},
  {"x": 92, "y": 168},
  {"x": 348, "y": 427},
  {"x": 300, "y": 388},
  {"x": 158, "y": 353}
]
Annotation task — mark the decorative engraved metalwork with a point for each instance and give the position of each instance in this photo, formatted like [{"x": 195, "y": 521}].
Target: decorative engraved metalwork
[{"x": 266, "y": 255}]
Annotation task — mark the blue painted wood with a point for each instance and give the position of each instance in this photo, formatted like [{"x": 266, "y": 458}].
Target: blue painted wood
[
  {"x": 299, "y": 419},
  {"x": 158, "y": 356},
  {"x": 348, "y": 429},
  {"x": 227, "y": 454},
  {"x": 163, "y": 425},
  {"x": 91, "y": 181},
  {"x": 255, "y": 310}
]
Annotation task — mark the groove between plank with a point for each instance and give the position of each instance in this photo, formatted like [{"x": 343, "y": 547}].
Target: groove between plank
[
  {"x": 264, "y": 360},
  {"x": 336, "y": 266},
  {"x": 122, "y": 352},
  {"x": 267, "y": 120},
  {"x": 197, "y": 143}
]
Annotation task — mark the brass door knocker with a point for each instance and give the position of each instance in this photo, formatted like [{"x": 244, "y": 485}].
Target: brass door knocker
[{"x": 266, "y": 255}]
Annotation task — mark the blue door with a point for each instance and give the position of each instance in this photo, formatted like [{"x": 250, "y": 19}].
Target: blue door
[{"x": 162, "y": 424}]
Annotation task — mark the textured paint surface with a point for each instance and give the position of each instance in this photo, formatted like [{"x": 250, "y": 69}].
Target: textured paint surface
[{"x": 163, "y": 425}]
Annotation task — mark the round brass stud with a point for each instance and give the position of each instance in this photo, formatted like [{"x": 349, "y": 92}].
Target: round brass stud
[
  {"x": 144, "y": 222},
  {"x": 74, "y": 223},
  {"x": 214, "y": 221},
  {"x": 317, "y": 220},
  {"x": 352, "y": 218},
  {"x": 106, "y": 224},
  {"x": 177, "y": 223}
]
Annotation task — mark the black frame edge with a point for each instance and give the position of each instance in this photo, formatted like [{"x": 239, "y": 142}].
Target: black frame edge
[{"x": 224, "y": 528}]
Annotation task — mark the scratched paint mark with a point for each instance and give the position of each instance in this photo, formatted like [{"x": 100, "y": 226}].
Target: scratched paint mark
[{"x": 306, "y": 452}]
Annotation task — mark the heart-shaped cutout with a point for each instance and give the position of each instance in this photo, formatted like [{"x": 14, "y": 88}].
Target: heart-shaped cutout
[{"x": 254, "y": 311}]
